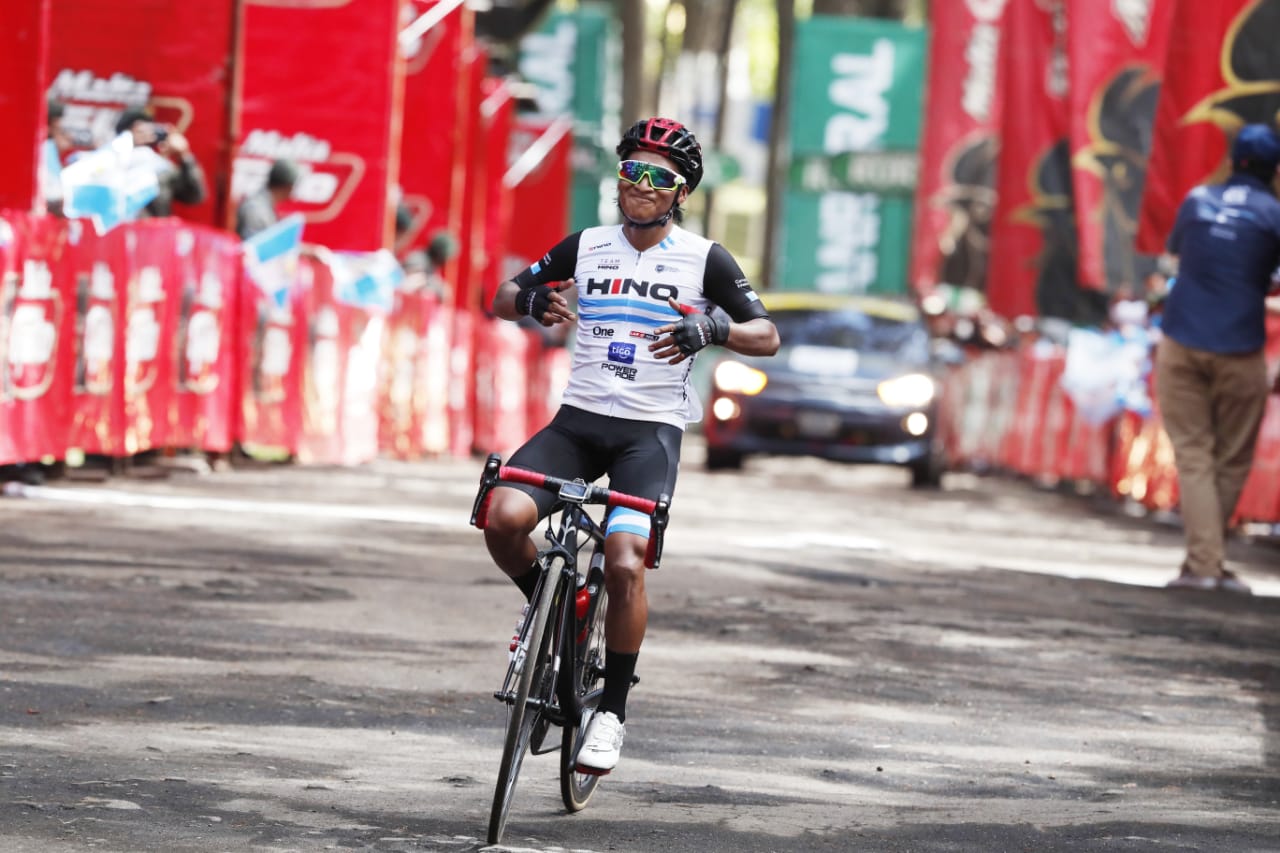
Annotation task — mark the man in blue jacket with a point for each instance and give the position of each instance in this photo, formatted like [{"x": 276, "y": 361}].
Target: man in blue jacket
[{"x": 1211, "y": 376}]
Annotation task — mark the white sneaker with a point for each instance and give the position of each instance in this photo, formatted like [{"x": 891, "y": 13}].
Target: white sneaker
[{"x": 602, "y": 745}]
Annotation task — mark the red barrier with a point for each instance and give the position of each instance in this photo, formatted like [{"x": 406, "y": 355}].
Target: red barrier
[
  {"x": 503, "y": 351},
  {"x": 100, "y": 267},
  {"x": 37, "y": 297},
  {"x": 272, "y": 347}
]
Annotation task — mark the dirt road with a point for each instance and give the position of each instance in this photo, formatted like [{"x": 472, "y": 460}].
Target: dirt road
[{"x": 287, "y": 659}]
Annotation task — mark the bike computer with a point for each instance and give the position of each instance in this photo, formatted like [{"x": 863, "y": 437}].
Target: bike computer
[{"x": 574, "y": 491}]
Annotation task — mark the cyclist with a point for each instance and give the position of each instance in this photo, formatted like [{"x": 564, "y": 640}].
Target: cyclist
[{"x": 650, "y": 295}]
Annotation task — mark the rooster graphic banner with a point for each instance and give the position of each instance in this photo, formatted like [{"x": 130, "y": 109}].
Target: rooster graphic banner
[
  {"x": 1116, "y": 59},
  {"x": 955, "y": 196},
  {"x": 1222, "y": 71},
  {"x": 1032, "y": 268}
]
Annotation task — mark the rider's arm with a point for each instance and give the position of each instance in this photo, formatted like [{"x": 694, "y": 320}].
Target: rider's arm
[
  {"x": 751, "y": 332},
  {"x": 555, "y": 267}
]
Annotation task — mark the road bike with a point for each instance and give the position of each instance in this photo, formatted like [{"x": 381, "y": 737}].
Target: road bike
[{"x": 555, "y": 673}]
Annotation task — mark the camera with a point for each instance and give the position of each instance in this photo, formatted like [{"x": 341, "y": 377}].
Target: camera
[{"x": 162, "y": 133}]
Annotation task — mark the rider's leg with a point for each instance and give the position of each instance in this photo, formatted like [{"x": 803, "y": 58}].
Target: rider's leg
[
  {"x": 512, "y": 517},
  {"x": 626, "y": 617}
]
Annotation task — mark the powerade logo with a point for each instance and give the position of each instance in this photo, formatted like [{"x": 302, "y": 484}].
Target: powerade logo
[
  {"x": 622, "y": 353},
  {"x": 631, "y": 287}
]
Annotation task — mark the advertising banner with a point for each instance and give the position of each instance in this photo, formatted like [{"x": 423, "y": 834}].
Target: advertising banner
[
  {"x": 273, "y": 346},
  {"x": 955, "y": 197},
  {"x": 436, "y": 96},
  {"x": 24, "y": 44},
  {"x": 208, "y": 274},
  {"x": 100, "y": 267},
  {"x": 151, "y": 324},
  {"x": 36, "y": 346},
  {"x": 538, "y": 179},
  {"x": 168, "y": 56},
  {"x": 1222, "y": 71},
  {"x": 855, "y": 127},
  {"x": 1032, "y": 265},
  {"x": 321, "y": 84},
  {"x": 1116, "y": 59}
]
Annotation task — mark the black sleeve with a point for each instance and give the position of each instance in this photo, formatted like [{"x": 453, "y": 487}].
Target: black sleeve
[
  {"x": 726, "y": 285},
  {"x": 556, "y": 265}
]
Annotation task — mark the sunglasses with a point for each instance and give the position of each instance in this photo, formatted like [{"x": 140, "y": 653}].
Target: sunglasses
[{"x": 660, "y": 178}]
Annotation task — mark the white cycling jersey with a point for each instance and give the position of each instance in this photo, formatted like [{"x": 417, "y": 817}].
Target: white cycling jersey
[{"x": 622, "y": 298}]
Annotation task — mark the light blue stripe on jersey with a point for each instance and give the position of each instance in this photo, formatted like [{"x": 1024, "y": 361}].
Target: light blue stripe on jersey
[
  {"x": 623, "y": 520},
  {"x": 635, "y": 319}
]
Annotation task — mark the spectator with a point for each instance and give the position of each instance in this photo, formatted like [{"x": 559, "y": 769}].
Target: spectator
[
  {"x": 167, "y": 152},
  {"x": 260, "y": 210},
  {"x": 1211, "y": 376},
  {"x": 57, "y": 144}
]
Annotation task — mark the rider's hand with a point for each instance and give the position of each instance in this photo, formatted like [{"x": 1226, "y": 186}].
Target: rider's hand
[
  {"x": 694, "y": 331},
  {"x": 544, "y": 303}
]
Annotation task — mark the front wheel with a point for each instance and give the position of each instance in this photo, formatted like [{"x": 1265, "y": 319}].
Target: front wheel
[
  {"x": 587, "y": 674},
  {"x": 521, "y": 719}
]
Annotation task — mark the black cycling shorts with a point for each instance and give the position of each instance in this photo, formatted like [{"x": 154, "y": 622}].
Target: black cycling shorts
[{"x": 640, "y": 457}]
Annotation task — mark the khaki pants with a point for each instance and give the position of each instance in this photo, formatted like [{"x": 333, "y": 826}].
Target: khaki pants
[{"x": 1212, "y": 407}]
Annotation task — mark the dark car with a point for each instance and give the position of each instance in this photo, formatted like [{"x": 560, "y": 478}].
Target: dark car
[{"x": 852, "y": 382}]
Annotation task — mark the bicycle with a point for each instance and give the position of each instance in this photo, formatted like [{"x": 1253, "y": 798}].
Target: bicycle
[{"x": 564, "y": 624}]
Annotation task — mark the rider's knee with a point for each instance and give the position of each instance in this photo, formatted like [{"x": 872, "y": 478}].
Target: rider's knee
[{"x": 511, "y": 515}]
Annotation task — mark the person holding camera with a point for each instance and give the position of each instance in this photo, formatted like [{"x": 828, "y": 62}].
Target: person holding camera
[{"x": 167, "y": 151}]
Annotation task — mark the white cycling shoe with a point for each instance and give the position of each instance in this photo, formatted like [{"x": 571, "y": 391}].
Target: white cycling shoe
[{"x": 602, "y": 744}]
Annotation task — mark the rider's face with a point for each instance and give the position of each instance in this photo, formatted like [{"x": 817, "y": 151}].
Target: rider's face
[{"x": 641, "y": 202}]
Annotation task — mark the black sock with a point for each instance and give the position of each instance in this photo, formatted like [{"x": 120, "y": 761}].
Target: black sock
[
  {"x": 528, "y": 582},
  {"x": 618, "y": 669}
]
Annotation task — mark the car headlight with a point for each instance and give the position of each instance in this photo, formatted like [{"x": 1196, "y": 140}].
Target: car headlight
[
  {"x": 735, "y": 377},
  {"x": 907, "y": 392}
]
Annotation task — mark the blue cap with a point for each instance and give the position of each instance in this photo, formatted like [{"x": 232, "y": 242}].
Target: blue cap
[{"x": 1256, "y": 147}]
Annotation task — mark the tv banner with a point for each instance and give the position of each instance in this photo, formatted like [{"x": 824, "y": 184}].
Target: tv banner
[
  {"x": 1116, "y": 57},
  {"x": 1032, "y": 264},
  {"x": 24, "y": 44},
  {"x": 435, "y": 135},
  {"x": 1222, "y": 71},
  {"x": 321, "y": 83},
  {"x": 168, "y": 56},
  {"x": 956, "y": 194},
  {"x": 854, "y": 133},
  {"x": 37, "y": 303}
]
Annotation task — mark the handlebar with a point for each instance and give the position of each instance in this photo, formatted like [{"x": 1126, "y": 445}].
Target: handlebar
[{"x": 576, "y": 492}]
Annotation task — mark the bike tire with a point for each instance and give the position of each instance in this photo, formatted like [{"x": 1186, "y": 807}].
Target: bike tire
[
  {"x": 520, "y": 721},
  {"x": 588, "y": 665}
]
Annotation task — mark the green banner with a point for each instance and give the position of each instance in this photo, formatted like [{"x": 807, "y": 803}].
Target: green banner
[
  {"x": 578, "y": 88},
  {"x": 855, "y": 128}
]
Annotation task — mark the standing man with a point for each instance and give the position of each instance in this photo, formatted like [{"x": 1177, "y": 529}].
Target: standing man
[
  {"x": 650, "y": 295},
  {"x": 166, "y": 151},
  {"x": 1211, "y": 376},
  {"x": 260, "y": 210}
]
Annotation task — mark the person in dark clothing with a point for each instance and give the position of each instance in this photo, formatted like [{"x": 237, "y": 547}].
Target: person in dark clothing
[
  {"x": 260, "y": 210},
  {"x": 179, "y": 174},
  {"x": 1211, "y": 375}
]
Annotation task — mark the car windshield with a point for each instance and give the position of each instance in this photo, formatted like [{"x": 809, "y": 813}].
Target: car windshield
[{"x": 851, "y": 329}]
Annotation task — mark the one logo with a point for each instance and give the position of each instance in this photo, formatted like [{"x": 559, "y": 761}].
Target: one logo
[
  {"x": 644, "y": 335},
  {"x": 601, "y": 332},
  {"x": 622, "y": 353},
  {"x": 631, "y": 287},
  {"x": 620, "y": 371}
]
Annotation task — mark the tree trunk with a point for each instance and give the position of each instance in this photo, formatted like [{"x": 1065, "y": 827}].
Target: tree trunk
[
  {"x": 864, "y": 8},
  {"x": 632, "y": 15}
]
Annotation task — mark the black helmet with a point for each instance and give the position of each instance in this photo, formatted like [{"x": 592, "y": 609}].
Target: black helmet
[{"x": 669, "y": 138}]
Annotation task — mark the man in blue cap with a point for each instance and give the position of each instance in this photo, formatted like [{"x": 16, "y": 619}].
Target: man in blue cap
[{"x": 1211, "y": 376}]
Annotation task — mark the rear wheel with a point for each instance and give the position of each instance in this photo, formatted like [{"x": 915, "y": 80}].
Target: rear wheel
[
  {"x": 522, "y": 719},
  {"x": 586, "y": 674},
  {"x": 926, "y": 473}
]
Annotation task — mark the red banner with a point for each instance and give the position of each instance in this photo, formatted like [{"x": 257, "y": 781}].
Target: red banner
[
  {"x": 151, "y": 325},
  {"x": 538, "y": 178},
  {"x": 209, "y": 265},
  {"x": 956, "y": 194},
  {"x": 436, "y": 95},
  {"x": 1032, "y": 268},
  {"x": 498, "y": 109},
  {"x": 272, "y": 349},
  {"x": 1116, "y": 60},
  {"x": 1222, "y": 70},
  {"x": 171, "y": 56},
  {"x": 24, "y": 43},
  {"x": 344, "y": 133},
  {"x": 100, "y": 266},
  {"x": 37, "y": 297}
]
